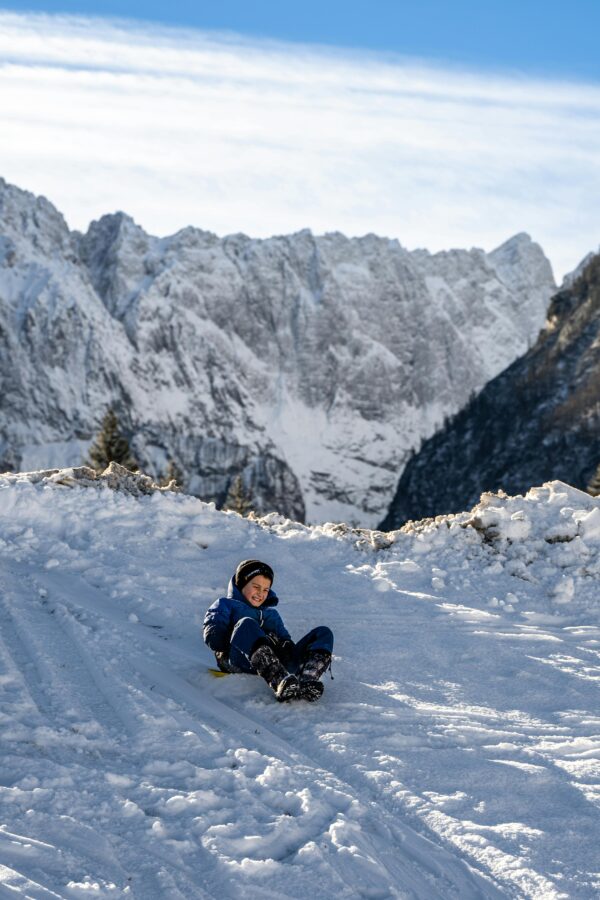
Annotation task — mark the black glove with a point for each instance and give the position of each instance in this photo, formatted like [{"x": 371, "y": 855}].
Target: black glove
[
  {"x": 222, "y": 658},
  {"x": 283, "y": 648}
]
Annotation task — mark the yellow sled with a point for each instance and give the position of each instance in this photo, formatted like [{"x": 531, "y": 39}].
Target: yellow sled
[{"x": 216, "y": 673}]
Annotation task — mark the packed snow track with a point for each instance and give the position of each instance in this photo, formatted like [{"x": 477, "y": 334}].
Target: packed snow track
[{"x": 455, "y": 755}]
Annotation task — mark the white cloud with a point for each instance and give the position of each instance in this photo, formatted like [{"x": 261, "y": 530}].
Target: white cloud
[{"x": 179, "y": 127}]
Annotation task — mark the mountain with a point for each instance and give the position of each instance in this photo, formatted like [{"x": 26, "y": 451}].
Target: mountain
[
  {"x": 311, "y": 365},
  {"x": 538, "y": 420},
  {"x": 423, "y": 772}
]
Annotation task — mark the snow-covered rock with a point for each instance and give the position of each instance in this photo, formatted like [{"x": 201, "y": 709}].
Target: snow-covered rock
[
  {"x": 313, "y": 365},
  {"x": 455, "y": 755},
  {"x": 115, "y": 477}
]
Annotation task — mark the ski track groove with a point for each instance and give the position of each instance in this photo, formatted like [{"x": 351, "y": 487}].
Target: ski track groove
[
  {"x": 52, "y": 689},
  {"x": 63, "y": 689}
]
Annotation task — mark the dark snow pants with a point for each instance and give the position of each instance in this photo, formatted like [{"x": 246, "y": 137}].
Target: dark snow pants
[{"x": 247, "y": 634}]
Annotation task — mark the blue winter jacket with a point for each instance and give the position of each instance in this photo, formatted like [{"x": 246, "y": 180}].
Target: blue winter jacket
[{"x": 224, "y": 614}]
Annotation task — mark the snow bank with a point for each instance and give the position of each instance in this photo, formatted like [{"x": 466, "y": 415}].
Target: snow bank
[
  {"x": 456, "y": 753},
  {"x": 115, "y": 477},
  {"x": 549, "y": 538}
]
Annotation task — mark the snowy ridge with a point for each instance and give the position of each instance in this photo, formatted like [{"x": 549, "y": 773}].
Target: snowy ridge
[
  {"x": 313, "y": 365},
  {"x": 455, "y": 755},
  {"x": 537, "y": 421},
  {"x": 115, "y": 477}
]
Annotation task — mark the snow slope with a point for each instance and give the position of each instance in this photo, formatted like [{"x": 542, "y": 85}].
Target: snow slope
[{"x": 455, "y": 755}]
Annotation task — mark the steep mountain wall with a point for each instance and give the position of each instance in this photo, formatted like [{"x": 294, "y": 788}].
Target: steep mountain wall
[
  {"x": 539, "y": 420},
  {"x": 313, "y": 365}
]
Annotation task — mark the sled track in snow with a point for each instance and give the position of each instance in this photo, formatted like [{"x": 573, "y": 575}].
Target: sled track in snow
[
  {"x": 60, "y": 679},
  {"x": 114, "y": 700},
  {"x": 100, "y": 692},
  {"x": 63, "y": 678},
  {"x": 437, "y": 765}
]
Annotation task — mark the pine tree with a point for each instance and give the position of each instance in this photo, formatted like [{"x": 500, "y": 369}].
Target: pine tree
[
  {"x": 111, "y": 445},
  {"x": 173, "y": 476},
  {"x": 593, "y": 487},
  {"x": 238, "y": 499}
]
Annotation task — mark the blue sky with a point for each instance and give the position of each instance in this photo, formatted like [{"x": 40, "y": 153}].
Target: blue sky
[
  {"x": 439, "y": 124},
  {"x": 547, "y": 37}
]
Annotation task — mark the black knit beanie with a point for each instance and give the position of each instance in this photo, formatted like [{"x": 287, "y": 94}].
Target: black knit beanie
[{"x": 248, "y": 568}]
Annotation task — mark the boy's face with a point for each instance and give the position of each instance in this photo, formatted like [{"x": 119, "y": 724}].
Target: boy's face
[{"x": 256, "y": 591}]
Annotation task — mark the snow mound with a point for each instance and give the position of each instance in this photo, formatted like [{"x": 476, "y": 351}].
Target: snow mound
[
  {"x": 456, "y": 755},
  {"x": 550, "y": 538},
  {"x": 115, "y": 477}
]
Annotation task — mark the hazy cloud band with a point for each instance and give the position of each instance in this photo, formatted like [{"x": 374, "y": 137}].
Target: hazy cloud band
[{"x": 179, "y": 127}]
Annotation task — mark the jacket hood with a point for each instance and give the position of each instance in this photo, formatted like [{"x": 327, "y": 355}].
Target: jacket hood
[{"x": 235, "y": 593}]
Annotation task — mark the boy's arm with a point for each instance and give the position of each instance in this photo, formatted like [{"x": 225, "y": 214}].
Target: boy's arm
[
  {"x": 217, "y": 625},
  {"x": 280, "y": 637},
  {"x": 277, "y": 627}
]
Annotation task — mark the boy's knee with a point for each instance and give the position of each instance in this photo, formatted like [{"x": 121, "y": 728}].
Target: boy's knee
[
  {"x": 246, "y": 624},
  {"x": 325, "y": 633},
  {"x": 246, "y": 634},
  {"x": 322, "y": 638}
]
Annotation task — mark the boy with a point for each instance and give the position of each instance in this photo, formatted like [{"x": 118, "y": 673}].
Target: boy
[{"x": 247, "y": 634}]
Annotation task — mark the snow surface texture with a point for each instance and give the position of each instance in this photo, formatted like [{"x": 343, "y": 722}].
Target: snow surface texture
[
  {"x": 312, "y": 365},
  {"x": 455, "y": 755}
]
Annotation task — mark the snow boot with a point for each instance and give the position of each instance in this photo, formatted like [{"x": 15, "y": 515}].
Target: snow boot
[
  {"x": 222, "y": 659},
  {"x": 266, "y": 664},
  {"x": 310, "y": 687}
]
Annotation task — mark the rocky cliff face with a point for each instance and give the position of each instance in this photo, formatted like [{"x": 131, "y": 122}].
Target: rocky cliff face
[
  {"x": 313, "y": 365},
  {"x": 539, "y": 420}
]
